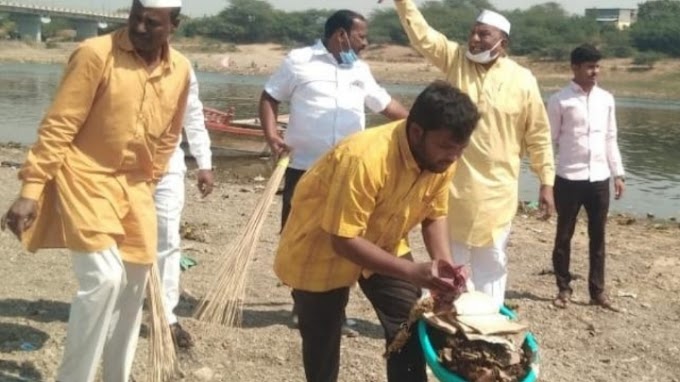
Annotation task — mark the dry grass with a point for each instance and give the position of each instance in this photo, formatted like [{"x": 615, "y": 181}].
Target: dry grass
[
  {"x": 163, "y": 362},
  {"x": 224, "y": 302}
]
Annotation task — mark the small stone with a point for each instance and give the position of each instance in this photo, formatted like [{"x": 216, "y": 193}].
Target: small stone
[
  {"x": 259, "y": 178},
  {"x": 244, "y": 190},
  {"x": 204, "y": 374},
  {"x": 627, "y": 294}
]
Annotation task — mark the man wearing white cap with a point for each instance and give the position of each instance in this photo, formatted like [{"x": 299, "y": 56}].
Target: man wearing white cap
[
  {"x": 87, "y": 183},
  {"x": 514, "y": 122}
]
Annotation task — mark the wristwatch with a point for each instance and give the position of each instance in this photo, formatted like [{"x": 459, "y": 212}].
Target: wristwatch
[{"x": 623, "y": 178}]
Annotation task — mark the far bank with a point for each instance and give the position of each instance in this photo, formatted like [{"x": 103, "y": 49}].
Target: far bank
[{"x": 389, "y": 63}]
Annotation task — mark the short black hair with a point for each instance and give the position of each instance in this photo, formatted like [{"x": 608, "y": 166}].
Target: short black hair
[
  {"x": 443, "y": 106},
  {"x": 342, "y": 19},
  {"x": 585, "y": 53}
]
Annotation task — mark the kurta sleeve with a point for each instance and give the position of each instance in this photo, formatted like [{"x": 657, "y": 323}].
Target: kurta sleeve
[
  {"x": 432, "y": 44},
  {"x": 170, "y": 138},
  {"x": 194, "y": 127},
  {"x": 65, "y": 117}
]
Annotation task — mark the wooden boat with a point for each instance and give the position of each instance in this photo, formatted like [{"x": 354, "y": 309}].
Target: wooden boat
[{"x": 242, "y": 137}]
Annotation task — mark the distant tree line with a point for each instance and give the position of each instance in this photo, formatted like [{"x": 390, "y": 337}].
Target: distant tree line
[{"x": 544, "y": 31}]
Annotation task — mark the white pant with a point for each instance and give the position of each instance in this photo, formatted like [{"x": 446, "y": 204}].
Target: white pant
[
  {"x": 105, "y": 317},
  {"x": 488, "y": 265},
  {"x": 169, "y": 200}
]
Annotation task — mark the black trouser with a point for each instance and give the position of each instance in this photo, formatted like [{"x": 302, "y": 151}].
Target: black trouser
[
  {"x": 320, "y": 323},
  {"x": 292, "y": 177},
  {"x": 569, "y": 197}
]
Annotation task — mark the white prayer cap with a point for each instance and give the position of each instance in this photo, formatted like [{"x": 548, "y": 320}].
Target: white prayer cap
[
  {"x": 161, "y": 3},
  {"x": 495, "y": 20}
]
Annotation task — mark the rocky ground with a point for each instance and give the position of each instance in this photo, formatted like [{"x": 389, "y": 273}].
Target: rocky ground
[{"x": 580, "y": 343}]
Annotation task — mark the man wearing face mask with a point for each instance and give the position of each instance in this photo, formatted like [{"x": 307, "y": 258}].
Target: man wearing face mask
[
  {"x": 327, "y": 87},
  {"x": 87, "y": 183},
  {"x": 514, "y": 122}
]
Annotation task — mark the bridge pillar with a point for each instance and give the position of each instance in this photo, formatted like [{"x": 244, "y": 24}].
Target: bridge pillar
[
  {"x": 29, "y": 27},
  {"x": 86, "y": 29}
]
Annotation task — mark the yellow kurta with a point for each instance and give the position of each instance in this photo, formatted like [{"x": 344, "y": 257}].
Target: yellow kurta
[
  {"x": 484, "y": 192},
  {"x": 106, "y": 138},
  {"x": 368, "y": 186}
]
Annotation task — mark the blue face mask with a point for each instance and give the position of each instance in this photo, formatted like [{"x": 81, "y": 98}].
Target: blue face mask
[{"x": 348, "y": 58}]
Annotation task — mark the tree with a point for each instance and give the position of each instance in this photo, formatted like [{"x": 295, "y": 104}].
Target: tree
[{"x": 658, "y": 27}]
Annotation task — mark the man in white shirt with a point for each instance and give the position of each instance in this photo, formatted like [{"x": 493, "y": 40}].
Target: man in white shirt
[
  {"x": 169, "y": 199},
  {"x": 583, "y": 123},
  {"x": 327, "y": 87}
]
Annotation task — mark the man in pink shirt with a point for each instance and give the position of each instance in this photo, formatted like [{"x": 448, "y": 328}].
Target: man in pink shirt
[{"x": 583, "y": 123}]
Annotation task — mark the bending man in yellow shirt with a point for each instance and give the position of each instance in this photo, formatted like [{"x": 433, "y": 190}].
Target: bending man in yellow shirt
[
  {"x": 349, "y": 212},
  {"x": 87, "y": 182},
  {"x": 513, "y": 122}
]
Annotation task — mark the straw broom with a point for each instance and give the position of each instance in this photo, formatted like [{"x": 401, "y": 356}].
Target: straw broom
[
  {"x": 163, "y": 362},
  {"x": 223, "y": 304}
]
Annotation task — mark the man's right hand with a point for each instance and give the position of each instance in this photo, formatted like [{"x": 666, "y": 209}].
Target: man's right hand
[
  {"x": 277, "y": 145},
  {"x": 425, "y": 275},
  {"x": 20, "y": 216}
]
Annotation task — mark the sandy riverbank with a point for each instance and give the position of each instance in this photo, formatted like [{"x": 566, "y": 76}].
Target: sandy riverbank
[
  {"x": 390, "y": 64},
  {"x": 580, "y": 343}
]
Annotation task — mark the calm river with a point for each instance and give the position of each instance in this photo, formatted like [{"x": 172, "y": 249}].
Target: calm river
[{"x": 649, "y": 131}]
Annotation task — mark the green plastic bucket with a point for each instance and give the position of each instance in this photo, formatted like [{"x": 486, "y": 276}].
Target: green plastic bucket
[{"x": 445, "y": 375}]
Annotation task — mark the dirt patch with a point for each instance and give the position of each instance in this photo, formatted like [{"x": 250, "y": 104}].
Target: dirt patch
[{"x": 579, "y": 343}]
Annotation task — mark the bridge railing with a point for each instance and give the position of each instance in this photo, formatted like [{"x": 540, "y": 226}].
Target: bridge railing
[{"x": 43, "y": 10}]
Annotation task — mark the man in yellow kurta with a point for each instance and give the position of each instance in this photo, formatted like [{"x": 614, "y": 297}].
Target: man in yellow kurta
[
  {"x": 87, "y": 182},
  {"x": 513, "y": 122},
  {"x": 350, "y": 211}
]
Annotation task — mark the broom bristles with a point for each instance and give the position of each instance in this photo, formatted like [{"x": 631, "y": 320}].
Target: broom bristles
[
  {"x": 163, "y": 362},
  {"x": 224, "y": 302}
]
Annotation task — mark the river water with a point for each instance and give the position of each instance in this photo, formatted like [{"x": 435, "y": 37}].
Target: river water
[{"x": 649, "y": 131}]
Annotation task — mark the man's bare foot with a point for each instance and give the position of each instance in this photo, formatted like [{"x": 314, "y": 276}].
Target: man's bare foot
[{"x": 562, "y": 299}]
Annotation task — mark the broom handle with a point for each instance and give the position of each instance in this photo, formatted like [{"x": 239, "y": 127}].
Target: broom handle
[{"x": 283, "y": 160}]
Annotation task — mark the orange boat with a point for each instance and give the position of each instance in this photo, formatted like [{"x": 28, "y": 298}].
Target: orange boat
[{"x": 230, "y": 137}]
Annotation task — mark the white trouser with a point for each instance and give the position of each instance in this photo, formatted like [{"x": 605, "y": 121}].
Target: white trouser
[
  {"x": 488, "y": 265},
  {"x": 105, "y": 317},
  {"x": 169, "y": 199}
]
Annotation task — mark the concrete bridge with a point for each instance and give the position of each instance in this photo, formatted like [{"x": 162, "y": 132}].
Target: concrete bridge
[{"x": 30, "y": 17}]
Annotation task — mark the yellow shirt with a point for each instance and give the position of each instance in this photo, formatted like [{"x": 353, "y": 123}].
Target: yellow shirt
[
  {"x": 484, "y": 194},
  {"x": 106, "y": 137},
  {"x": 368, "y": 186}
]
